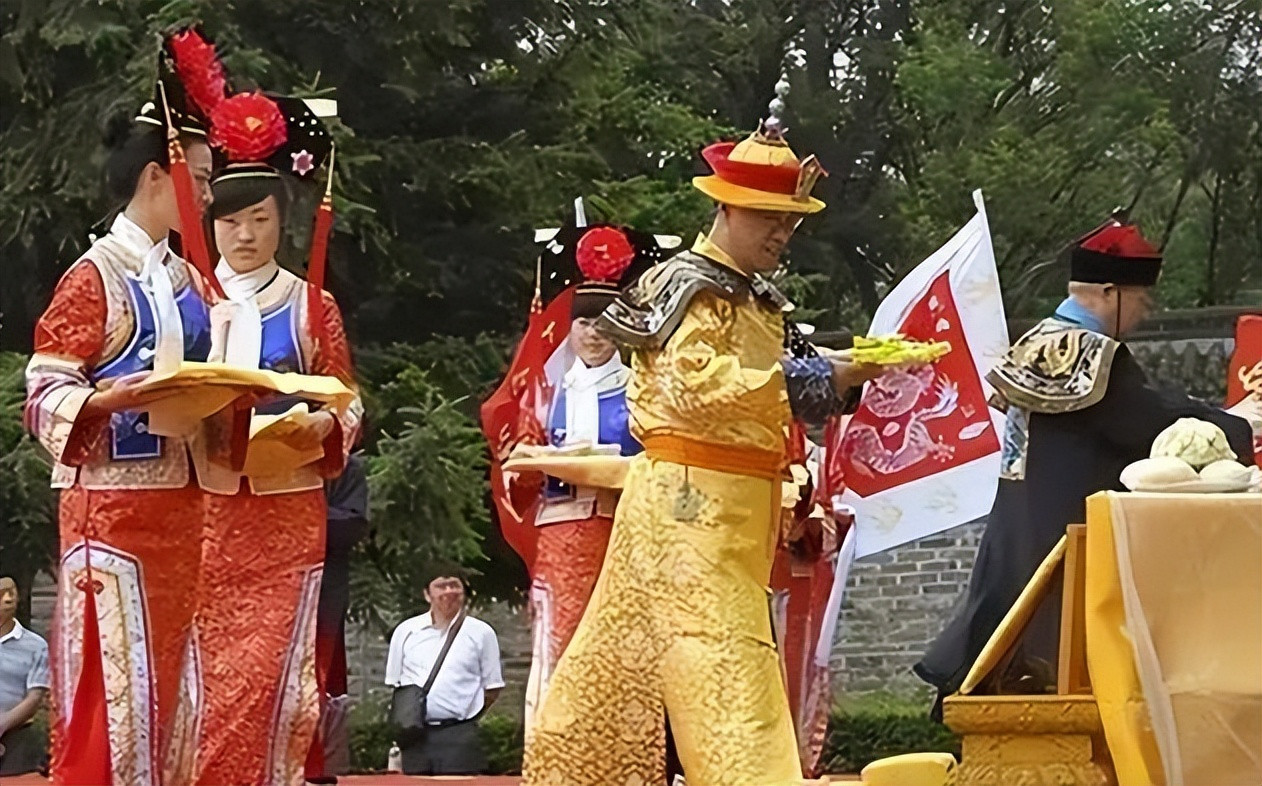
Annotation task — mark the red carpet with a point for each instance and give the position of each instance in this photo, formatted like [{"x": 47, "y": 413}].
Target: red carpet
[
  {"x": 390, "y": 780},
  {"x": 393, "y": 779}
]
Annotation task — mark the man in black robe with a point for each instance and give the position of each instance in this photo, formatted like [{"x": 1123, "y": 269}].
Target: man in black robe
[{"x": 1079, "y": 410}]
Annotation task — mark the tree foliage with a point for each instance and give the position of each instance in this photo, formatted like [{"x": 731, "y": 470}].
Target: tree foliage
[
  {"x": 466, "y": 124},
  {"x": 28, "y": 534}
]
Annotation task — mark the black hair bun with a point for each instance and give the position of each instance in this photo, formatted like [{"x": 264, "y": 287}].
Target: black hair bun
[{"x": 118, "y": 126}]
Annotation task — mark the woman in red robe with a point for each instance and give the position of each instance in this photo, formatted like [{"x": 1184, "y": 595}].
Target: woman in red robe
[
  {"x": 129, "y": 502},
  {"x": 255, "y": 692}
]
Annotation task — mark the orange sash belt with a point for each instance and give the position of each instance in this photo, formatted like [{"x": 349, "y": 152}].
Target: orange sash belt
[{"x": 732, "y": 459}]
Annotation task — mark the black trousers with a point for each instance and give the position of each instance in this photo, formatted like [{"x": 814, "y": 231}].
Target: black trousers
[
  {"x": 25, "y": 749},
  {"x": 446, "y": 750}
]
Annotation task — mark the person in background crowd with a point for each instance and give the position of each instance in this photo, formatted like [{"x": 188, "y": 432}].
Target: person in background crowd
[
  {"x": 24, "y": 684},
  {"x": 467, "y": 683}
]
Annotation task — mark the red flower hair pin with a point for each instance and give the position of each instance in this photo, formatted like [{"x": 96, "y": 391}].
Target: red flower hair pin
[
  {"x": 603, "y": 254},
  {"x": 248, "y": 127}
]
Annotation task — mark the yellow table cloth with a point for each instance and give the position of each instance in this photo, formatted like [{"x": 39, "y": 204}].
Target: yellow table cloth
[{"x": 1174, "y": 635}]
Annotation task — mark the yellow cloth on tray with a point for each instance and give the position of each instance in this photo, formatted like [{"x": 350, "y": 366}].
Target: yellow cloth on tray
[
  {"x": 603, "y": 472},
  {"x": 268, "y": 454},
  {"x": 199, "y": 390},
  {"x": 1174, "y": 635}
]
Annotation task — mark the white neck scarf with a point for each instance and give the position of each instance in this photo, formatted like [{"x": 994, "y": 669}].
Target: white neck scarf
[
  {"x": 582, "y": 399},
  {"x": 244, "y": 344},
  {"x": 155, "y": 279}
]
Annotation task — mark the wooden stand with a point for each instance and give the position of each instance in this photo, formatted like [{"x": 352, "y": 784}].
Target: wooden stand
[
  {"x": 1012, "y": 740},
  {"x": 1046, "y": 740}
]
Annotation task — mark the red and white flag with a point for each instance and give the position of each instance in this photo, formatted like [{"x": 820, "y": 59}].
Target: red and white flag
[
  {"x": 921, "y": 454},
  {"x": 517, "y": 413},
  {"x": 1244, "y": 377}
]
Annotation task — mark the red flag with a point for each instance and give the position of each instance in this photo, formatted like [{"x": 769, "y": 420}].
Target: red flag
[
  {"x": 316, "y": 266},
  {"x": 804, "y": 577},
  {"x": 832, "y": 469},
  {"x": 514, "y": 414},
  {"x": 1244, "y": 373},
  {"x": 87, "y": 734},
  {"x": 795, "y": 443},
  {"x": 1244, "y": 377}
]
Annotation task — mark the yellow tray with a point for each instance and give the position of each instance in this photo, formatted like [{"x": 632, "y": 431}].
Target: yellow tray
[
  {"x": 606, "y": 472},
  {"x": 199, "y": 390}
]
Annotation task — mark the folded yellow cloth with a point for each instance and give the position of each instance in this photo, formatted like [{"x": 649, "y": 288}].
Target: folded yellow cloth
[
  {"x": 268, "y": 453},
  {"x": 199, "y": 390}
]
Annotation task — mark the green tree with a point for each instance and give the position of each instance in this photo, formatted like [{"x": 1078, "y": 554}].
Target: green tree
[
  {"x": 1063, "y": 113},
  {"x": 28, "y": 534},
  {"x": 428, "y": 483},
  {"x": 467, "y": 124}
]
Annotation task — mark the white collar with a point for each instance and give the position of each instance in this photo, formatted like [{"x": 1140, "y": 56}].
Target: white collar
[
  {"x": 14, "y": 634},
  {"x": 581, "y": 375},
  {"x": 135, "y": 239},
  {"x": 426, "y": 620},
  {"x": 242, "y": 286}
]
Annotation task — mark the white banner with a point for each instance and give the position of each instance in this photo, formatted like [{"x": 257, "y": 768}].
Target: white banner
[{"x": 921, "y": 454}]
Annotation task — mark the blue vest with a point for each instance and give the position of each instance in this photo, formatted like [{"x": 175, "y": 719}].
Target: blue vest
[
  {"x": 281, "y": 351},
  {"x": 129, "y": 431},
  {"x": 614, "y": 430}
]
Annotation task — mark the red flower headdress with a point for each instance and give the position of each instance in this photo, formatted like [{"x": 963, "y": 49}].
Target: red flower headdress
[
  {"x": 248, "y": 127},
  {"x": 603, "y": 254}
]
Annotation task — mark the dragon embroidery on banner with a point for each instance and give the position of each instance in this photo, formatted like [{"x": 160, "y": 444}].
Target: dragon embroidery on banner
[
  {"x": 1251, "y": 380},
  {"x": 891, "y": 397},
  {"x": 917, "y": 422}
]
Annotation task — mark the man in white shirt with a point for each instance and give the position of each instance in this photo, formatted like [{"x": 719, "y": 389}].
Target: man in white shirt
[
  {"x": 24, "y": 681},
  {"x": 467, "y": 683}
]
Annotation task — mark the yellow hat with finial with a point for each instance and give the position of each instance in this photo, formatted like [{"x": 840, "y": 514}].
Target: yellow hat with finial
[{"x": 762, "y": 172}]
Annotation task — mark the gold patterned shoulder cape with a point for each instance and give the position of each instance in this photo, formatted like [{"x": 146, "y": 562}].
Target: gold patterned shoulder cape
[
  {"x": 648, "y": 312},
  {"x": 1057, "y": 367}
]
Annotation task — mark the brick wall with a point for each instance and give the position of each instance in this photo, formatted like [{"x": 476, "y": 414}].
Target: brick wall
[{"x": 896, "y": 603}]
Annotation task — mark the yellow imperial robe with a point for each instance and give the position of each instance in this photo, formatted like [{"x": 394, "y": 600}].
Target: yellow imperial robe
[{"x": 679, "y": 621}]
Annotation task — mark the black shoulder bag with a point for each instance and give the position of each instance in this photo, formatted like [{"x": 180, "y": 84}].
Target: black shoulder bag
[{"x": 407, "y": 704}]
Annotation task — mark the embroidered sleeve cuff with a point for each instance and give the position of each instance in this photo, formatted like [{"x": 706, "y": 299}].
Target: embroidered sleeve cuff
[{"x": 810, "y": 385}]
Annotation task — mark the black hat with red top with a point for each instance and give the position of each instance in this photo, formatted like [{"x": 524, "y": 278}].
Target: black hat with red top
[
  {"x": 1115, "y": 252},
  {"x": 260, "y": 135},
  {"x": 598, "y": 260}
]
